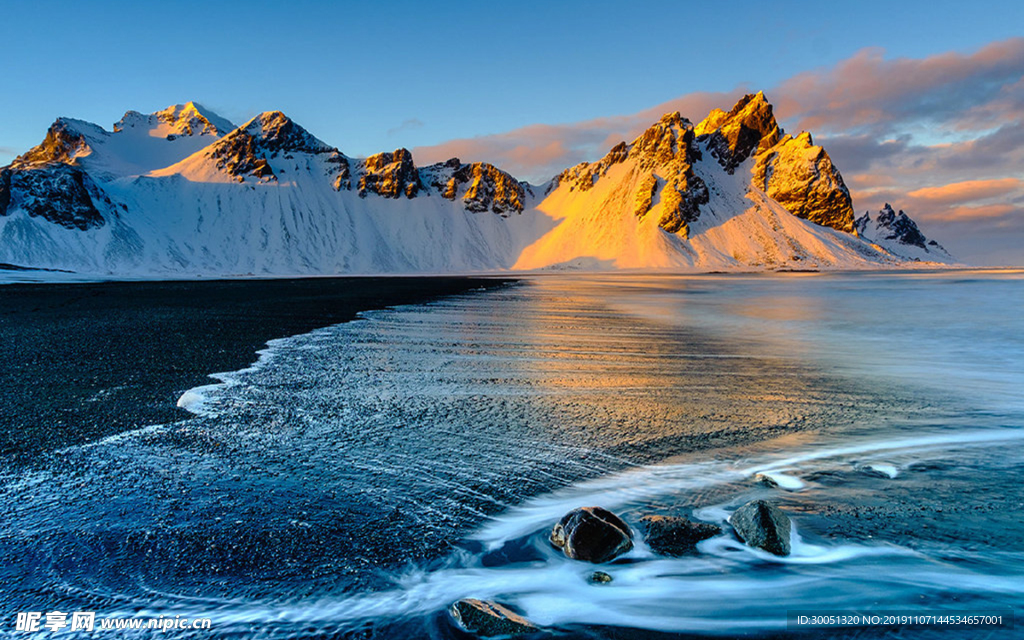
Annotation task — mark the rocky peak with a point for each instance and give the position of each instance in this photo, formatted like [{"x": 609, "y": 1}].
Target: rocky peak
[
  {"x": 670, "y": 139},
  {"x": 801, "y": 177},
  {"x": 667, "y": 140},
  {"x": 192, "y": 118},
  {"x": 665, "y": 154},
  {"x": 390, "y": 175},
  {"x": 890, "y": 225},
  {"x": 748, "y": 128},
  {"x": 276, "y": 133},
  {"x": 248, "y": 149},
  {"x": 482, "y": 186},
  {"x": 662, "y": 158},
  {"x": 177, "y": 120},
  {"x": 65, "y": 140}
]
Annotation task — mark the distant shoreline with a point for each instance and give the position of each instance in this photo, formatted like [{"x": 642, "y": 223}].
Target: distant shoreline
[
  {"x": 20, "y": 275},
  {"x": 82, "y": 361}
]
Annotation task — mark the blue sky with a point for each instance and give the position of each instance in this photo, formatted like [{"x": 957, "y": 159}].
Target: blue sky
[
  {"x": 369, "y": 76},
  {"x": 374, "y": 76}
]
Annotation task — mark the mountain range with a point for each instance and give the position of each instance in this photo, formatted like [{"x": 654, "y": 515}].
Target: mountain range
[{"x": 184, "y": 191}]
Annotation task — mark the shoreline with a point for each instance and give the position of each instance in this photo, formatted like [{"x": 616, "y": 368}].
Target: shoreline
[
  {"x": 66, "y": 380},
  {"x": 12, "y": 275}
]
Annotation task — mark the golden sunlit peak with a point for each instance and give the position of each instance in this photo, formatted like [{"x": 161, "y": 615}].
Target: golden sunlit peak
[{"x": 192, "y": 118}]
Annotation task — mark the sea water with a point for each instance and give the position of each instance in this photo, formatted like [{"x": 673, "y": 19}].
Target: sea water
[{"x": 357, "y": 480}]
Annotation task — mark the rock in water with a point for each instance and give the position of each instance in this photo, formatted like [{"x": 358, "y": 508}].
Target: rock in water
[
  {"x": 599, "y": 577},
  {"x": 763, "y": 525},
  {"x": 673, "y": 536},
  {"x": 488, "y": 619},
  {"x": 592, "y": 534},
  {"x": 765, "y": 481}
]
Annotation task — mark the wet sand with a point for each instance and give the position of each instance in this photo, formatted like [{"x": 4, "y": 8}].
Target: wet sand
[{"x": 85, "y": 361}]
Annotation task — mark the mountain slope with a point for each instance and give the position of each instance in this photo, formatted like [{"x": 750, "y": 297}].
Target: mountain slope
[
  {"x": 732, "y": 192},
  {"x": 183, "y": 191}
]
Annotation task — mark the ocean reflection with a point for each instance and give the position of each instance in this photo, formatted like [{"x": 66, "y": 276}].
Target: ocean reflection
[{"x": 365, "y": 474}]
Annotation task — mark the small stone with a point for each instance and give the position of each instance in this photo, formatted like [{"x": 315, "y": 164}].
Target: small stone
[
  {"x": 487, "y": 619},
  {"x": 599, "y": 577},
  {"x": 674, "y": 536},
  {"x": 764, "y": 526},
  {"x": 766, "y": 481}
]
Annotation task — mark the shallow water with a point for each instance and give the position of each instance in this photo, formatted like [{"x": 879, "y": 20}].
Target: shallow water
[{"x": 360, "y": 478}]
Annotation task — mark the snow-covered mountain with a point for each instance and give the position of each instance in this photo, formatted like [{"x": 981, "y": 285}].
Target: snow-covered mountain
[
  {"x": 897, "y": 233},
  {"x": 183, "y": 191}
]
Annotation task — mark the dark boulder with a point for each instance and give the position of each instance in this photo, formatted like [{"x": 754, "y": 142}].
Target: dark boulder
[
  {"x": 764, "y": 526},
  {"x": 674, "y": 536},
  {"x": 488, "y": 619},
  {"x": 592, "y": 534}
]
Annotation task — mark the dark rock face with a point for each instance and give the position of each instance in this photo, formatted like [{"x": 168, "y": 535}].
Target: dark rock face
[
  {"x": 673, "y": 536},
  {"x": 277, "y": 133},
  {"x": 59, "y": 193},
  {"x": 764, "y": 526},
  {"x": 592, "y": 534},
  {"x": 390, "y": 175},
  {"x": 748, "y": 128},
  {"x": 483, "y": 187},
  {"x": 489, "y": 188},
  {"x": 48, "y": 183},
  {"x": 801, "y": 177},
  {"x": 894, "y": 230},
  {"x": 239, "y": 155},
  {"x": 896, "y": 226},
  {"x": 246, "y": 151},
  {"x": 5, "y": 190},
  {"x": 488, "y": 619},
  {"x": 340, "y": 171}
]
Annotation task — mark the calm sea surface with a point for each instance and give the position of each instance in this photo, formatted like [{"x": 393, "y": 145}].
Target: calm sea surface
[{"x": 357, "y": 480}]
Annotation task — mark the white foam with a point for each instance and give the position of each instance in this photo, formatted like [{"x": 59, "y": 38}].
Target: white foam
[
  {"x": 887, "y": 469},
  {"x": 782, "y": 480},
  {"x": 198, "y": 400},
  {"x": 646, "y": 484}
]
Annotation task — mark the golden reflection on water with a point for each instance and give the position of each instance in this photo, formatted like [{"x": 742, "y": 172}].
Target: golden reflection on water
[{"x": 636, "y": 363}]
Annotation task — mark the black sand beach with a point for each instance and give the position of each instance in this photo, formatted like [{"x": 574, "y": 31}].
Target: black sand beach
[{"x": 65, "y": 378}]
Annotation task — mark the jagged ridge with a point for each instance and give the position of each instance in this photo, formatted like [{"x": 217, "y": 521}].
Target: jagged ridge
[
  {"x": 482, "y": 186},
  {"x": 732, "y": 191},
  {"x": 897, "y": 229},
  {"x": 187, "y": 119},
  {"x": 247, "y": 151}
]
